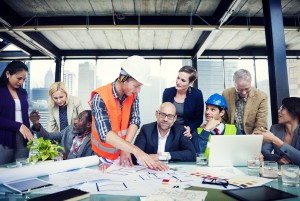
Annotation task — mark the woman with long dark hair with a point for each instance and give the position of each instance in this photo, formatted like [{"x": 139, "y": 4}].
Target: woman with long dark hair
[
  {"x": 14, "y": 120},
  {"x": 284, "y": 137}
]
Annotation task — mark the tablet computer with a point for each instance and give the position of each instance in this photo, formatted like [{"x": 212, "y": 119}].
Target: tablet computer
[
  {"x": 258, "y": 193},
  {"x": 27, "y": 185}
]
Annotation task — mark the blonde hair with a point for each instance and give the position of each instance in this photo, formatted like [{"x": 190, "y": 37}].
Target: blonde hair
[{"x": 57, "y": 86}]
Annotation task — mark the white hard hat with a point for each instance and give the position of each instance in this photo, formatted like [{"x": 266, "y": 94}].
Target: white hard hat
[{"x": 138, "y": 68}]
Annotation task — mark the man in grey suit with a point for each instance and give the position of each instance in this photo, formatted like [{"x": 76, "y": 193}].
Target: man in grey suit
[
  {"x": 163, "y": 140},
  {"x": 247, "y": 106},
  {"x": 76, "y": 139}
]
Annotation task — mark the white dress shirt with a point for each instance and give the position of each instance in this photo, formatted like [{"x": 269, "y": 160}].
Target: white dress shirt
[{"x": 162, "y": 144}]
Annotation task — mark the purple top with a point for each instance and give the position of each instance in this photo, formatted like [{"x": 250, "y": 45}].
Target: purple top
[{"x": 8, "y": 125}]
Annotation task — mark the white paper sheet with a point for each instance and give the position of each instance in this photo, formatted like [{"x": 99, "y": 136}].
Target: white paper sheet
[
  {"x": 71, "y": 178},
  {"x": 176, "y": 194},
  {"x": 139, "y": 181},
  {"x": 41, "y": 169},
  {"x": 133, "y": 188}
]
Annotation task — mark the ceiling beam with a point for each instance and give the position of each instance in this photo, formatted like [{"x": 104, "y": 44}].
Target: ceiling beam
[
  {"x": 237, "y": 53},
  {"x": 251, "y": 52},
  {"x": 8, "y": 14},
  {"x": 15, "y": 19},
  {"x": 16, "y": 42},
  {"x": 200, "y": 46},
  {"x": 125, "y": 53},
  {"x": 207, "y": 36},
  {"x": 231, "y": 6},
  {"x": 10, "y": 18},
  {"x": 46, "y": 46},
  {"x": 73, "y": 54},
  {"x": 11, "y": 55},
  {"x": 150, "y": 22},
  {"x": 3, "y": 44}
]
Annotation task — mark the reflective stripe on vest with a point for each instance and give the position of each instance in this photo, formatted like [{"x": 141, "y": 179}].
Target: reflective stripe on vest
[
  {"x": 106, "y": 149},
  {"x": 119, "y": 119},
  {"x": 120, "y": 133},
  {"x": 229, "y": 130}
]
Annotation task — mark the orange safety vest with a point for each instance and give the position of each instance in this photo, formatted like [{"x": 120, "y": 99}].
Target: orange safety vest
[{"x": 119, "y": 120}]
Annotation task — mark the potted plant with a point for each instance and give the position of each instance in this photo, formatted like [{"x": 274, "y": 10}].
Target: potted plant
[{"x": 41, "y": 150}]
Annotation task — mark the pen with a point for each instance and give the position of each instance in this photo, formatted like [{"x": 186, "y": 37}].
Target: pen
[
  {"x": 140, "y": 169},
  {"x": 176, "y": 178},
  {"x": 124, "y": 185},
  {"x": 97, "y": 186},
  {"x": 234, "y": 185}
]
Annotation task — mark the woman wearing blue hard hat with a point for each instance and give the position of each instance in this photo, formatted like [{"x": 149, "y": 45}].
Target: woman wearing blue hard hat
[{"x": 216, "y": 107}]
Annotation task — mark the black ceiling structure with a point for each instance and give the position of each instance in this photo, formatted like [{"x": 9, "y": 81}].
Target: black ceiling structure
[{"x": 27, "y": 32}]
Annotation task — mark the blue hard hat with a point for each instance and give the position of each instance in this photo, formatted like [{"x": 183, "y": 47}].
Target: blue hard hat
[{"x": 217, "y": 100}]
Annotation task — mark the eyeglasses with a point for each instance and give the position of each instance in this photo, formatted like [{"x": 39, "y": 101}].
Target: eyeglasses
[
  {"x": 247, "y": 90},
  {"x": 215, "y": 181},
  {"x": 164, "y": 115},
  {"x": 281, "y": 107}
]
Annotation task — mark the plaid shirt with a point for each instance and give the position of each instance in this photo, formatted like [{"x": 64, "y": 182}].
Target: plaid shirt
[
  {"x": 239, "y": 111},
  {"x": 100, "y": 113}
]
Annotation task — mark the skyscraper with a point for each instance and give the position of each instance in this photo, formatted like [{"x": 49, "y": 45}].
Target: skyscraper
[
  {"x": 86, "y": 82},
  {"x": 69, "y": 80},
  {"x": 49, "y": 78},
  {"x": 27, "y": 82},
  {"x": 293, "y": 66}
]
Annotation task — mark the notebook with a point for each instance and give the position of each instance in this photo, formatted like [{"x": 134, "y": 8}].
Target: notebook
[
  {"x": 66, "y": 195},
  {"x": 233, "y": 150}
]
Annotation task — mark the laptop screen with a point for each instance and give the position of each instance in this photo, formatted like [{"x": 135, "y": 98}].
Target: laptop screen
[{"x": 233, "y": 150}]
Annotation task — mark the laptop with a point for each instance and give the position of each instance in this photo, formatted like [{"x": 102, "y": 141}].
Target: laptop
[{"x": 233, "y": 150}]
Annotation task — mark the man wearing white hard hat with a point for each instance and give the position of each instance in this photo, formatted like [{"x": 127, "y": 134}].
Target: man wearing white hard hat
[{"x": 116, "y": 116}]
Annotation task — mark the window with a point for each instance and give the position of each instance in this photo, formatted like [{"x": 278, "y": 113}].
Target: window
[
  {"x": 215, "y": 75},
  {"x": 293, "y": 66}
]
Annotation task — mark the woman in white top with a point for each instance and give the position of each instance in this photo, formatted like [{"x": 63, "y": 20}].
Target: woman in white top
[{"x": 63, "y": 108}]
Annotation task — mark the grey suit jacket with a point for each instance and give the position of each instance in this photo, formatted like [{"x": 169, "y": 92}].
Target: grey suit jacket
[
  {"x": 292, "y": 151},
  {"x": 256, "y": 109},
  {"x": 65, "y": 139},
  {"x": 73, "y": 110}
]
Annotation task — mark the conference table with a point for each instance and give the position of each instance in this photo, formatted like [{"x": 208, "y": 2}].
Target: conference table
[{"x": 213, "y": 194}]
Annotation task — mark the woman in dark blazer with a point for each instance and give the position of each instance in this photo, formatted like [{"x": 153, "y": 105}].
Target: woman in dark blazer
[
  {"x": 188, "y": 102},
  {"x": 14, "y": 120}
]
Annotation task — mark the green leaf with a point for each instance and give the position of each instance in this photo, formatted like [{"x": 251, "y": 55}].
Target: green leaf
[{"x": 45, "y": 149}]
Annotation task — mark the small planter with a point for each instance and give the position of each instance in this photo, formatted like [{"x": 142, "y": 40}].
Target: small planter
[{"x": 41, "y": 150}]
